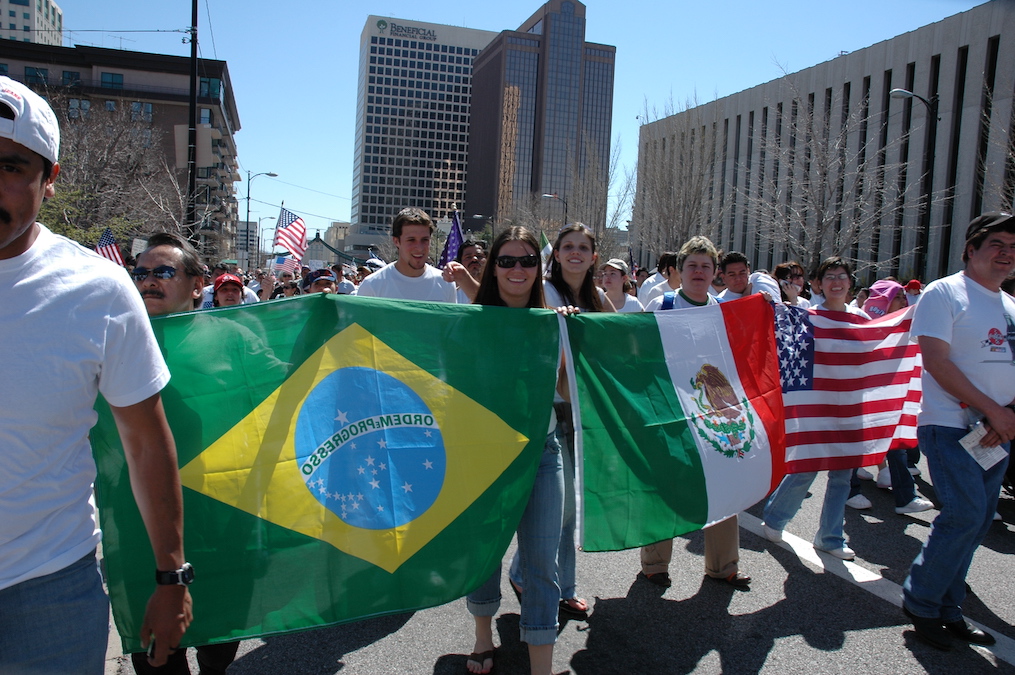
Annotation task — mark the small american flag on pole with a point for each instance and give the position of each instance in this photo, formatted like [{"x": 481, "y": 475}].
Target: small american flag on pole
[
  {"x": 291, "y": 233},
  {"x": 851, "y": 387},
  {"x": 285, "y": 263},
  {"x": 108, "y": 248}
]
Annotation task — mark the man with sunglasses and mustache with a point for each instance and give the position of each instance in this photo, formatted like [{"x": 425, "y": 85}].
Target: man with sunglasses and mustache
[
  {"x": 74, "y": 326},
  {"x": 169, "y": 277}
]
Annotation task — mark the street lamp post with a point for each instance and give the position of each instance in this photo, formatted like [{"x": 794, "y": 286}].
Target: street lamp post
[
  {"x": 562, "y": 201},
  {"x": 260, "y": 234},
  {"x": 927, "y": 181},
  {"x": 249, "y": 179}
]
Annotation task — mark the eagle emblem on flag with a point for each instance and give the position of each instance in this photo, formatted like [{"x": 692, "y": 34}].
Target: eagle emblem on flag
[{"x": 721, "y": 420}]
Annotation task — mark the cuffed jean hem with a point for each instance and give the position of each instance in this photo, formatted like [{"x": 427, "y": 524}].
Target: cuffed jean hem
[
  {"x": 538, "y": 636},
  {"x": 483, "y": 608}
]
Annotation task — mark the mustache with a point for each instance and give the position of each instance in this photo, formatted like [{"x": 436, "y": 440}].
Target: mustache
[{"x": 152, "y": 293}]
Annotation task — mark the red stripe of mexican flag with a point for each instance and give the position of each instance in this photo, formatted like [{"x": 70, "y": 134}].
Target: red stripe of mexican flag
[{"x": 679, "y": 419}]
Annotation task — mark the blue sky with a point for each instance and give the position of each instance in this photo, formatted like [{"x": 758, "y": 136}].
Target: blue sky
[{"x": 293, "y": 67}]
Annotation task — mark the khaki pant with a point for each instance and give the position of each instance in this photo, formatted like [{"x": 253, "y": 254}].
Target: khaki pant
[{"x": 722, "y": 551}]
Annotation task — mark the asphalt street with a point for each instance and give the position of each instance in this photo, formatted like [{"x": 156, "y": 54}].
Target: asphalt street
[{"x": 805, "y": 613}]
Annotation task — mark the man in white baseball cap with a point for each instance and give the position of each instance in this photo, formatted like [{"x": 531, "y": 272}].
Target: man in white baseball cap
[{"x": 74, "y": 326}]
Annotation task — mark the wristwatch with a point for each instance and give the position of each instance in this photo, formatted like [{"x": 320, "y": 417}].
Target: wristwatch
[{"x": 181, "y": 577}]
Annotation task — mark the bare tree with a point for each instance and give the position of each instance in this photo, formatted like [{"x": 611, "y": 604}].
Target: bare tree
[
  {"x": 114, "y": 173},
  {"x": 676, "y": 178},
  {"x": 831, "y": 182},
  {"x": 996, "y": 162}
]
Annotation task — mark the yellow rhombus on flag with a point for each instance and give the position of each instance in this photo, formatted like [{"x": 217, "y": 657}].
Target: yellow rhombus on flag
[{"x": 273, "y": 465}]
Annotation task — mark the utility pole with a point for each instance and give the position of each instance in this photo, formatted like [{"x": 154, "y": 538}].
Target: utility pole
[{"x": 192, "y": 130}]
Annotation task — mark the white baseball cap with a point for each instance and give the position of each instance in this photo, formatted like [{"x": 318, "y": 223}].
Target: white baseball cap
[{"x": 34, "y": 125}]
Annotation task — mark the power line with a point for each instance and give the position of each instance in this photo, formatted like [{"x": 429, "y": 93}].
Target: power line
[
  {"x": 326, "y": 194},
  {"x": 214, "y": 50},
  {"x": 106, "y": 30},
  {"x": 330, "y": 219}
]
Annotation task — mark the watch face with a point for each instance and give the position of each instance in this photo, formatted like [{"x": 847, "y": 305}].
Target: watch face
[{"x": 186, "y": 574}]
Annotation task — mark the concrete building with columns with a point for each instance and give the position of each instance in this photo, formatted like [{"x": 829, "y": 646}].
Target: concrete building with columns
[{"x": 882, "y": 155}]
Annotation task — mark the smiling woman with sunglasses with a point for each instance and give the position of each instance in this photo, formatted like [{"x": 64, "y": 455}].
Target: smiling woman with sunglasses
[
  {"x": 513, "y": 280},
  {"x": 569, "y": 286}
]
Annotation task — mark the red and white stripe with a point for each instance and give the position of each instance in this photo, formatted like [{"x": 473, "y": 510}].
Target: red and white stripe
[{"x": 865, "y": 394}]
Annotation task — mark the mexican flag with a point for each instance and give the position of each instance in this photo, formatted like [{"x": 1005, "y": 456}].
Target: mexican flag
[
  {"x": 341, "y": 458},
  {"x": 546, "y": 249},
  {"x": 679, "y": 420}
]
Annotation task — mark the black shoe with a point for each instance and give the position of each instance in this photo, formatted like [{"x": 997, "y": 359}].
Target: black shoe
[
  {"x": 659, "y": 578},
  {"x": 739, "y": 581},
  {"x": 964, "y": 630},
  {"x": 931, "y": 631}
]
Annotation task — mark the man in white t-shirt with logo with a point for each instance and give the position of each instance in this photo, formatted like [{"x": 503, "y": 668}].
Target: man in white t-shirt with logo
[
  {"x": 74, "y": 327},
  {"x": 410, "y": 277},
  {"x": 965, "y": 325}
]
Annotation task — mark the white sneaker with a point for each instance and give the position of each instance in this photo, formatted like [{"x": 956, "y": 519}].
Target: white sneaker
[
  {"x": 884, "y": 479},
  {"x": 915, "y": 471},
  {"x": 844, "y": 553},
  {"x": 864, "y": 474},
  {"x": 858, "y": 502},
  {"x": 771, "y": 534},
  {"x": 916, "y": 506}
]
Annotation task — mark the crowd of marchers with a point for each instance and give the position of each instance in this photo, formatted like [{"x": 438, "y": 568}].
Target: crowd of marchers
[{"x": 79, "y": 326}]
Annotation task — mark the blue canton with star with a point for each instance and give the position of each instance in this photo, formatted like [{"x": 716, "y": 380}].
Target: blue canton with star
[{"x": 794, "y": 335}]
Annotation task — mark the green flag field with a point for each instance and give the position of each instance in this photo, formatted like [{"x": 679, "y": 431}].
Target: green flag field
[{"x": 341, "y": 458}]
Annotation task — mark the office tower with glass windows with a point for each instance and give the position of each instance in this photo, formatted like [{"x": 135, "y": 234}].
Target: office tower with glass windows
[
  {"x": 541, "y": 116},
  {"x": 412, "y": 122}
]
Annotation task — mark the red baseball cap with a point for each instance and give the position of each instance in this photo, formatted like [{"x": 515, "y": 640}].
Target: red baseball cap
[{"x": 227, "y": 279}]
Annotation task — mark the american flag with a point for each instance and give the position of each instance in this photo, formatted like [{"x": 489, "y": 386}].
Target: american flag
[
  {"x": 291, "y": 233},
  {"x": 851, "y": 387},
  {"x": 285, "y": 263},
  {"x": 455, "y": 240},
  {"x": 108, "y": 248}
]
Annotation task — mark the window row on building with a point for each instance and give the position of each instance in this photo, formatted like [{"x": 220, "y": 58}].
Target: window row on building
[{"x": 842, "y": 158}]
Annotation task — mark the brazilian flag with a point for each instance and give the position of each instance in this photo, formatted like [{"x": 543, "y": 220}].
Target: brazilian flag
[{"x": 341, "y": 458}]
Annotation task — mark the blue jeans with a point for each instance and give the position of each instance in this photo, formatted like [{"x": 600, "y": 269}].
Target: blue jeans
[
  {"x": 787, "y": 498},
  {"x": 538, "y": 540},
  {"x": 566, "y": 559},
  {"x": 57, "y": 623},
  {"x": 935, "y": 587},
  {"x": 903, "y": 487}
]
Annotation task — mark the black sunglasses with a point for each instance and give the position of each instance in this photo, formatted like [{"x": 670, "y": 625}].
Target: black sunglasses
[
  {"x": 509, "y": 261},
  {"x": 161, "y": 272}
]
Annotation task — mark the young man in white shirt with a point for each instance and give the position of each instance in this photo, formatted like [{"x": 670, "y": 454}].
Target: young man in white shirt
[
  {"x": 410, "y": 277},
  {"x": 736, "y": 274},
  {"x": 75, "y": 327}
]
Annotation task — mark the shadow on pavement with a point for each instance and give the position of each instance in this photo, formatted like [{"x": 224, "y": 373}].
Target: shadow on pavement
[
  {"x": 645, "y": 632},
  {"x": 319, "y": 650}
]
